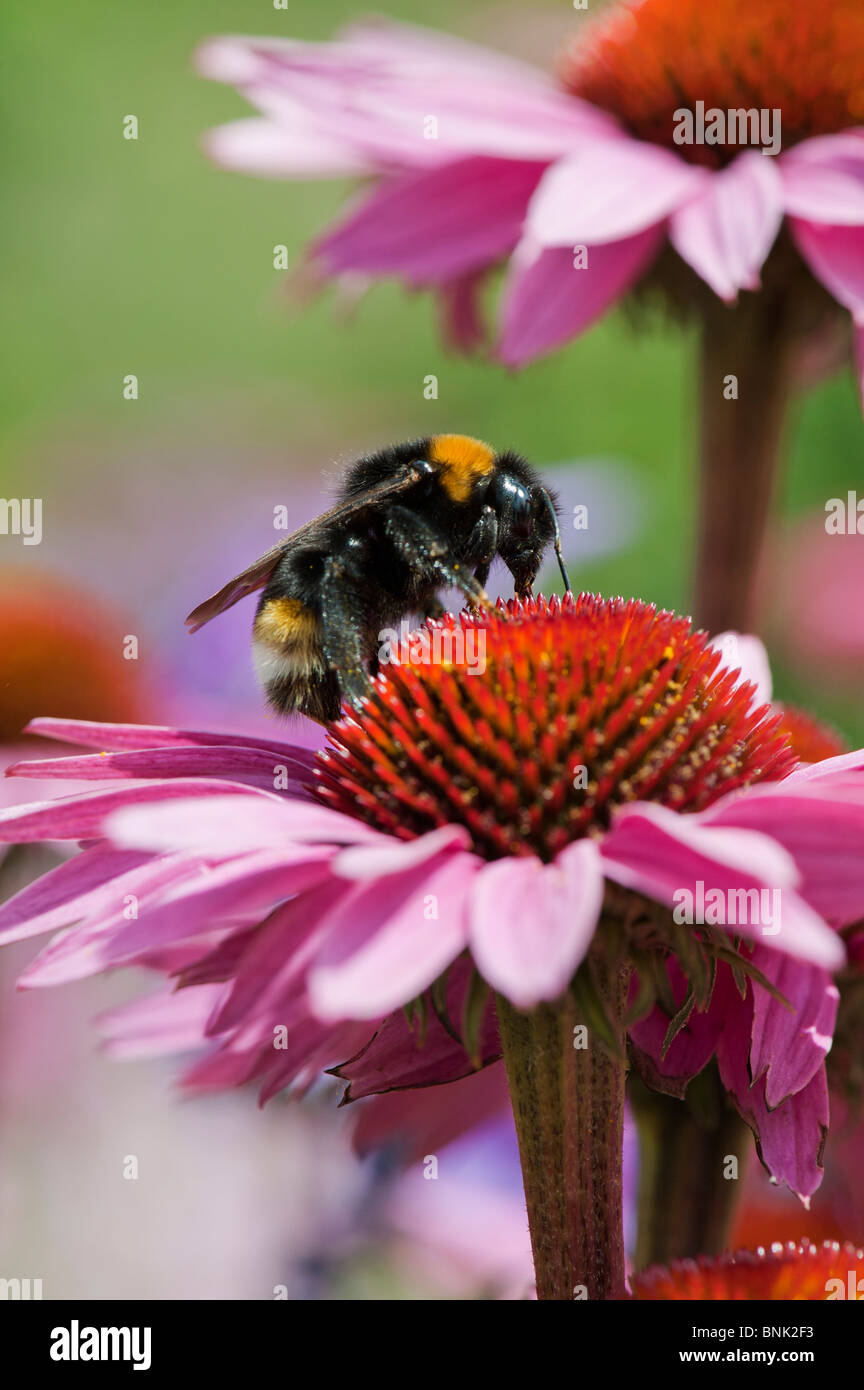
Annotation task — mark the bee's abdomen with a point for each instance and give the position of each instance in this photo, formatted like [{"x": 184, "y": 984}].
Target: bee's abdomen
[{"x": 287, "y": 653}]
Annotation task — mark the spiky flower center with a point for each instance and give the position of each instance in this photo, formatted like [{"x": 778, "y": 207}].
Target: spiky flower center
[
  {"x": 643, "y": 60},
  {"x": 535, "y": 722},
  {"x": 794, "y": 1271}
]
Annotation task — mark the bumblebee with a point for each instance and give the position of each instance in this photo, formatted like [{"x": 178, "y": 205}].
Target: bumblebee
[{"x": 411, "y": 520}]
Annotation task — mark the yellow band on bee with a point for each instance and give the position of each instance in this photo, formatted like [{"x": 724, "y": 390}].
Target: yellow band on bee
[
  {"x": 285, "y": 620},
  {"x": 461, "y": 462}
]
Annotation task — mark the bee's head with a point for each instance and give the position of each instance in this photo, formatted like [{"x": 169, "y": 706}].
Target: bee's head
[{"x": 526, "y": 522}]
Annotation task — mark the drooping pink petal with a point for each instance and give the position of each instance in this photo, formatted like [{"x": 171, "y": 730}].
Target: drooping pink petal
[
  {"x": 823, "y": 179},
  {"x": 463, "y": 326},
  {"x": 531, "y": 924},
  {"x": 789, "y": 1047},
  {"x": 423, "y": 1121},
  {"x": 435, "y": 226},
  {"x": 727, "y": 230},
  {"x": 72, "y": 890},
  {"x": 836, "y": 257},
  {"x": 390, "y": 939},
  {"x": 158, "y": 1024},
  {"x": 268, "y": 969},
  {"x": 548, "y": 300},
  {"x": 694, "y": 1045},
  {"x": 608, "y": 190},
  {"x": 659, "y": 852},
  {"x": 790, "y": 1138},
  {"x": 188, "y": 899},
  {"x": 399, "y": 1057},
  {"x": 819, "y": 821},
  {"x": 82, "y": 950},
  {"x": 214, "y": 826}
]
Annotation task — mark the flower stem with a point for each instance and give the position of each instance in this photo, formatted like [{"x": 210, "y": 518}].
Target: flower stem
[
  {"x": 740, "y": 443},
  {"x": 568, "y": 1103},
  {"x": 687, "y": 1199}
]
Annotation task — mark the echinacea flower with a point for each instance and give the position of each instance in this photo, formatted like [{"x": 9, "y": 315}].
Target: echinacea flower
[
  {"x": 796, "y": 1271},
  {"x": 526, "y": 831},
  {"x": 585, "y": 187},
  {"x": 480, "y": 158}
]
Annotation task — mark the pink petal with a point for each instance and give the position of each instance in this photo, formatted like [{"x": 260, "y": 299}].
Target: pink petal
[
  {"x": 75, "y": 889},
  {"x": 423, "y": 1121},
  {"x": 255, "y": 766},
  {"x": 836, "y": 257},
  {"x": 389, "y": 940},
  {"x": 260, "y": 146},
  {"x": 397, "y": 1057},
  {"x": 607, "y": 191},
  {"x": 791, "y": 1138},
  {"x": 269, "y": 968},
  {"x": 695, "y": 1044},
  {"x": 822, "y": 829},
  {"x": 531, "y": 924},
  {"x": 789, "y": 1048},
  {"x": 435, "y": 226},
  {"x": 659, "y": 852},
  {"x": 180, "y": 899},
  {"x": 547, "y": 301},
  {"x": 395, "y": 856},
  {"x": 373, "y": 98},
  {"x": 748, "y": 655},
  {"x": 165, "y": 1022},
  {"x": 823, "y": 179},
  {"x": 82, "y": 950},
  {"x": 124, "y": 737},
  {"x": 726, "y": 232},
  {"x": 81, "y": 817},
  {"x": 214, "y": 826}
]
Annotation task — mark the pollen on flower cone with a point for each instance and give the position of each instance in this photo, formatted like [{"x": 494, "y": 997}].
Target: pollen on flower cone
[
  {"x": 581, "y": 706},
  {"x": 60, "y": 652},
  {"x": 794, "y": 1271},
  {"x": 644, "y": 60}
]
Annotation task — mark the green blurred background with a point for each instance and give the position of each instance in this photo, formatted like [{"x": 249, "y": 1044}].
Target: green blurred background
[{"x": 137, "y": 256}]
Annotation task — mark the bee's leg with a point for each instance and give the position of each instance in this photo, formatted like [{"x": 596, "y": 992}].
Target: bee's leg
[
  {"x": 483, "y": 543},
  {"x": 434, "y": 609},
  {"x": 343, "y": 620},
  {"x": 420, "y": 545}
]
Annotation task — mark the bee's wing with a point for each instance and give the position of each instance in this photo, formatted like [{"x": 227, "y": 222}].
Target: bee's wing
[{"x": 255, "y": 576}]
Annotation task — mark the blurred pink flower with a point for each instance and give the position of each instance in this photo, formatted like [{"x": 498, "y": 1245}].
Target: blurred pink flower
[
  {"x": 300, "y": 931},
  {"x": 477, "y": 159}
]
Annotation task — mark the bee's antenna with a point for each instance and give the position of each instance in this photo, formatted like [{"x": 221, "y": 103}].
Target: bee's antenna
[{"x": 550, "y": 506}]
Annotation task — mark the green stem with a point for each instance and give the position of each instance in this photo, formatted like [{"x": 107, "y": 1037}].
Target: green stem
[
  {"x": 687, "y": 1194},
  {"x": 568, "y": 1103},
  {"x": 741, "y": 433}
]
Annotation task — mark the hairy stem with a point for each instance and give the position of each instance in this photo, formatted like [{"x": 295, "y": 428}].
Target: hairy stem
[{"x": 568, "y": 1102}]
